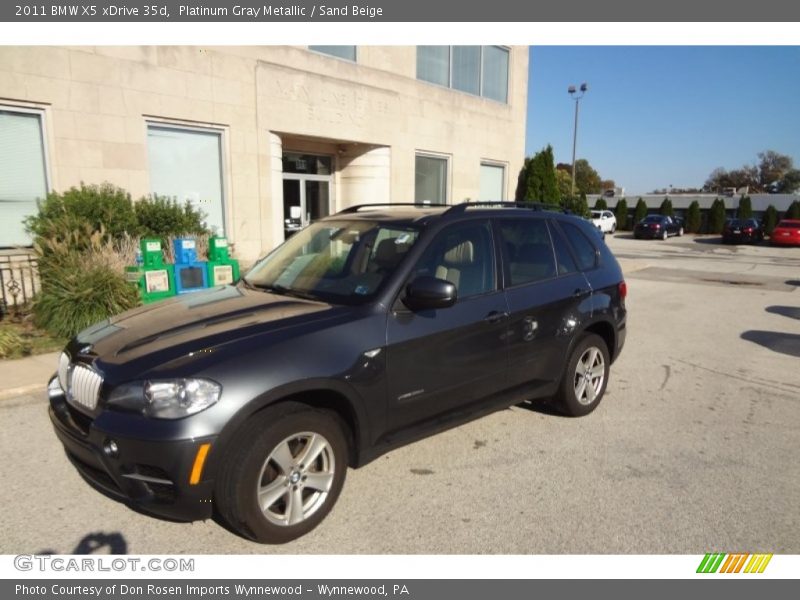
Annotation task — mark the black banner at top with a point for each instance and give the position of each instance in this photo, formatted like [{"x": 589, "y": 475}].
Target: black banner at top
[{"x": 266, "y": 11}]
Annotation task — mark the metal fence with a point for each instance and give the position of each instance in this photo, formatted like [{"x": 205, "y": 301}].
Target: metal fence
[{"x": 19, "y": 280}]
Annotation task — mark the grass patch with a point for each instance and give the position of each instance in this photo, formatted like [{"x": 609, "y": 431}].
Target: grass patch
[{"x": 20, "y": 338}]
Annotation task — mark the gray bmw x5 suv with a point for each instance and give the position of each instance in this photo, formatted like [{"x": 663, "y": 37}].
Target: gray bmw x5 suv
[{"x": 369, "y": 329}]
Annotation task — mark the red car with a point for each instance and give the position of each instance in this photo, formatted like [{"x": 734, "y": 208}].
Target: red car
[{"x": 786, "y": 233}]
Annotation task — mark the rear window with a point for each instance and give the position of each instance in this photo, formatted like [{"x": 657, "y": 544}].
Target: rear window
[
  {"x": 653, "y": 219},
  {"x": 789, "y": 224},
  {"x": 528, "y": 251}
]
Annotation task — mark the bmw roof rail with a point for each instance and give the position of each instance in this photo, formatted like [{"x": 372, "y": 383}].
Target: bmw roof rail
[
  {"x": 462, "y": 207},
  {"x": 357, "y": 207}
]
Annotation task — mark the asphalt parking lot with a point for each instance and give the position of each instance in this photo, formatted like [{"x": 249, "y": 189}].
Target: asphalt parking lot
[{"x": 695, "y": 448}]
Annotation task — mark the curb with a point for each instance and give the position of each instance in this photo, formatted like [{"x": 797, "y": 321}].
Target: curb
[{"x": 24, "y": 390}]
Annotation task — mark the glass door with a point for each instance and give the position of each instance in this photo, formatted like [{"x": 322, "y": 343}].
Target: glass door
[{"x": 306, "y": 190}]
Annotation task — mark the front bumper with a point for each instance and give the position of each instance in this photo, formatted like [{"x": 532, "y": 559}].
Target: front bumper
[{"x": 149, "y": 475}]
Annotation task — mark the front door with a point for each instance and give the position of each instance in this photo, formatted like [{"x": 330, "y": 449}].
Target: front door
[
  {"x": 442, "y": 359},
  {"x": 307, "y": 182}
]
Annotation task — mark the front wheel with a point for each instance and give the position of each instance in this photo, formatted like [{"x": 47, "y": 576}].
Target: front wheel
[
  {"x": 283, "y": 474},
  {"x": 586, "y": 376}
]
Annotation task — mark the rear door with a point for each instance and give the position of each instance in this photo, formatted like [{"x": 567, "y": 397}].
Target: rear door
[
  {"x": 451, "y": 357},
  {"x": 546, "y": 293}
]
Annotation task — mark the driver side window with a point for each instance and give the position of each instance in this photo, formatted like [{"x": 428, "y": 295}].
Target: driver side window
[{"x": 462, "y": 254}]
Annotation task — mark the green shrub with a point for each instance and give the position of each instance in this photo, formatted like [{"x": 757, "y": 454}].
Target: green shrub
[
  {"x": 666, "y": 208},
  {"x": 11, "y": 343},
  {"x": 81, "y": 287},
  {"x": 79, "y": 290},
  {"x": 163, "y": 217},
  {"x": 716, "y": 216},
  {"x": 770, "y": 219},
  {"x": 88, "y": 208},
  {"x": 640, "y": 212},
  {"x": 793, "y": 212},
  {"x": 745, "y": 210},
  {"x": 600, "y": 204},
  {"x": 621, "y": 213},
  {"x": 693, "y": 218}
]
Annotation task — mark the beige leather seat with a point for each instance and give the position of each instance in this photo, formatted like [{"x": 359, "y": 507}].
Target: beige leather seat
[{"x": 457, "y": 267}]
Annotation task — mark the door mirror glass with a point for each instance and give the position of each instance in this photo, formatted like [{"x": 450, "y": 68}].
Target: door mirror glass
[{"x": 426, "y": 293}]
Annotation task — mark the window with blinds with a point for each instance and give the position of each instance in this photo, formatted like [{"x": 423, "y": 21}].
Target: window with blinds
[
  {"x": 23, "y": 173},
  {"x": 186, "y": 164}
]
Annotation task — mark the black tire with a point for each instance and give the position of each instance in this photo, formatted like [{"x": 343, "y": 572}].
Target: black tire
[
  {"x": 567, "y": 396},
  {"x": 249, "y": 466}
]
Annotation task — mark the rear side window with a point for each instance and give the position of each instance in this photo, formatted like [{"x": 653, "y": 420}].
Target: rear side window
[
  {"x": 528, "y": 251},
  {"x": 566, "y": 264},
  {"x": 585, "y": 251}
]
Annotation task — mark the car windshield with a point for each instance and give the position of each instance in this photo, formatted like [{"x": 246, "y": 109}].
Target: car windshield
[{"x": 342, "y": 262}]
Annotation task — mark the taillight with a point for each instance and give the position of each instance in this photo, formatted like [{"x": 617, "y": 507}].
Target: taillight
[
  {"x": 748, "y": 230},
  {"x": 623, "y": 290}
]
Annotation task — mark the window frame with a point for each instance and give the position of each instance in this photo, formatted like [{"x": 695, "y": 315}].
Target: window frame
[
  {"x": 224, "y": 161},
  {"x": 447, "y": 173},
  {"x": 480, "y": 93}
]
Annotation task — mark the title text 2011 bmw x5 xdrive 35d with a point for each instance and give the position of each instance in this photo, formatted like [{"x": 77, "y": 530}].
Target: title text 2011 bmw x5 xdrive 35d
[{"x": 369, "y": 329}]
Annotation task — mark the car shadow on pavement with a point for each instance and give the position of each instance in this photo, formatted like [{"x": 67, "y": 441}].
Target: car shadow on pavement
[
  {"x": 716, "y": 241},
  {"x": 793, "y": 312},
  {"x": 795, "y": 282},
  {"x": 785, "y": 343},
  {"x": 97, "y": 543},
  {"x": 544, "y": 407},
  {"x": 624, "y": 236}
]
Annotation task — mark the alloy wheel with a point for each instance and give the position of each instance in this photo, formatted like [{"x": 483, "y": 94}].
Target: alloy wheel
[
  {"x": 590, "y": 374},
  {"x": 295, "y": 478}
]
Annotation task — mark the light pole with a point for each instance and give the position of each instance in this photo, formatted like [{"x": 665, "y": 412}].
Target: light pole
[{"x": 573, "y": 93}]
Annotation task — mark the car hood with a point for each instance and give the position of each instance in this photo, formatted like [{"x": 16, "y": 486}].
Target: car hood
[{"x": 193, "y": 324}]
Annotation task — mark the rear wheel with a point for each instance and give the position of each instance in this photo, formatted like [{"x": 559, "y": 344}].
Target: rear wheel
[
  {"x": 664, "y": 234},
  {"x": 680, "y": 232},
  {"x": 586, "y": 376},
  {"x": 283, "y": 473}
]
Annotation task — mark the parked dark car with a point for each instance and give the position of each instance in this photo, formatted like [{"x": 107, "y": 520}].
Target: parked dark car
[
  {"x": 365, "y": 331},
  {"x": 742, "y": 231},
  {"x": 657, "y": 226}
]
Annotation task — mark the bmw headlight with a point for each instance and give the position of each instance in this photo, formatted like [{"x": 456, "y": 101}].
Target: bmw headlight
[{"x": 166, "y": 398}]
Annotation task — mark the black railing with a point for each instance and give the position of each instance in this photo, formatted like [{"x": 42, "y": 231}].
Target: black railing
[{"x": 19, "y": 280}]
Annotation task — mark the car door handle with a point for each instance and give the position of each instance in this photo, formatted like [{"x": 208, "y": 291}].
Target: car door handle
[
  {"x": 495, "y": 316},
  {"x": 580, "y": 293}
]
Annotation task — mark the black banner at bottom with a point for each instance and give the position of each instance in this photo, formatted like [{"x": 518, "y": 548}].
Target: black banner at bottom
[{"x": 398, "y": 589}]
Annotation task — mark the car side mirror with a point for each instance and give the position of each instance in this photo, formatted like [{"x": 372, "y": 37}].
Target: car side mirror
[{"x": 429, "y": 292}]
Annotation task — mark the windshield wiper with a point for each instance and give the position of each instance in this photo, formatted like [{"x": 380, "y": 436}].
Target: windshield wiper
[{"x": 283, "y": 290}]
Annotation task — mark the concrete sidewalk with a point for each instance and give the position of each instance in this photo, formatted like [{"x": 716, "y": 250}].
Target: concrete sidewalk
[{"x": 27, "y": 375}]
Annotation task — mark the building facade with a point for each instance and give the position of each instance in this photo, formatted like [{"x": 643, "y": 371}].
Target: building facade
[{"x": 262, "y": 139}]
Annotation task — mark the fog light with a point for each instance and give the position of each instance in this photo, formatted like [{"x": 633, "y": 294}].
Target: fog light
[{"x": 111, "y": 449}]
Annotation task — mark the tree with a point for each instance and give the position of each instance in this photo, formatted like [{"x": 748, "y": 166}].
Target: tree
[
  {"x": 621, "y": 213},
  {"x": 640, "y": 212},
  {"x": 581, "y": 206},
  {"x": 772, "y": 167},
  {"x": 793, "y": 211},
  {"x": 666, "y": 208},
  {"x": 564, "y": 182},
  {"x": 539, "y": 180},
  {"x": 770, "y": 219},
  {"x": 716, "y": 216},
  {"x": 587, "y": 180},
  {"x": 601, "y": 204},
  {"x": 745, "y": 210},
  {"x": 790, "y": 182},
  {"x": 693, "y": 218}
]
